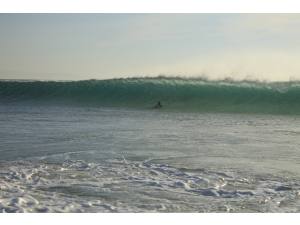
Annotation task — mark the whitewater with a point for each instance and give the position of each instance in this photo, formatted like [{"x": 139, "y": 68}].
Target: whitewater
[{"x": 99, "y": 146}]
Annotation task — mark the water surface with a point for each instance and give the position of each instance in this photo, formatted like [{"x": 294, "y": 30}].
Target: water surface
[{"x": 99, "y": 159}]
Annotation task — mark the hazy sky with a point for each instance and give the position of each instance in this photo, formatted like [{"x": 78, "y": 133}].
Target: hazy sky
[{"x": 100, "y": 46}]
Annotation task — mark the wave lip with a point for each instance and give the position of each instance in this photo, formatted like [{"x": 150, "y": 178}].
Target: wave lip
[{"x": 175, "y": 93}]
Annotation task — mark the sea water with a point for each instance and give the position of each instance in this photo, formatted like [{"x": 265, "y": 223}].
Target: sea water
[
  {"x": 74, "y": 159},
  {"x": 92, "y": 158}
]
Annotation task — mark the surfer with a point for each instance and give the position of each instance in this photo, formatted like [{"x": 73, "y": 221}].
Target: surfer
[{"x": 158, "y": 105}]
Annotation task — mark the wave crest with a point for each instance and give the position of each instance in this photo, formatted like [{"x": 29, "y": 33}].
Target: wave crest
[{"x": 176, "y": 93}]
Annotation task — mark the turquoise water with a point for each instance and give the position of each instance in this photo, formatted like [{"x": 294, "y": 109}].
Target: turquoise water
[
  {"x": 176, "y": 94},
  {"x": 73, "y": 158}
]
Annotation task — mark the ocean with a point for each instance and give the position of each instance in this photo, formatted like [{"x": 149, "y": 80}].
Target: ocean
[{"x": 100, "y": 146}]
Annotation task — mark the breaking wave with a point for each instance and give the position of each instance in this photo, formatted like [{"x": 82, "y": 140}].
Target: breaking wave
[{"x": 175, "y": 93}]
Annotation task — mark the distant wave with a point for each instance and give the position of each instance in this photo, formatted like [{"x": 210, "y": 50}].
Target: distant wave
[{"x": 175, "y": 93}]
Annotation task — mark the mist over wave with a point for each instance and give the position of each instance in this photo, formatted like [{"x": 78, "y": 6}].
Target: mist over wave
[{"x": 175, "y": 93}]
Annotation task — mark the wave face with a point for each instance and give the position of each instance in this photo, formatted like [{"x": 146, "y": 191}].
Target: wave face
[{"x": 179, "y": 94}]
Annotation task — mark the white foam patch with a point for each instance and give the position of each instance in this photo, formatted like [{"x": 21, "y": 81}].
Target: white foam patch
[{"x": 124, "y": 186}]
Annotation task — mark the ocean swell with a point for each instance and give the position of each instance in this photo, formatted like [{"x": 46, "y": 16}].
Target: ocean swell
[{"x": 175, "y": 93}]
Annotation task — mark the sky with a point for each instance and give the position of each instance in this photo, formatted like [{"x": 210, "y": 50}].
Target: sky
[{"x": 104, "y": 46}]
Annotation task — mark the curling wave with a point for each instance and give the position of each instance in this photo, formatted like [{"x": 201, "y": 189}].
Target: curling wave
[{"x": 175, "y": 93}]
